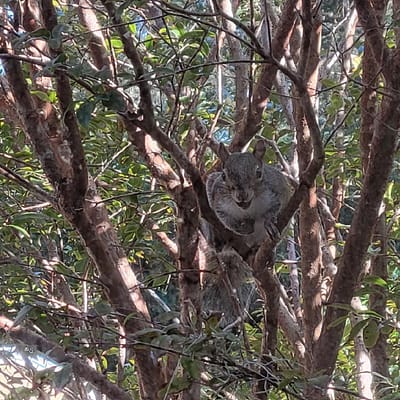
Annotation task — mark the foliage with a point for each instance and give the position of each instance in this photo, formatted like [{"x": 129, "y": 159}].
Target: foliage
[{"x": 41, "y": 253}]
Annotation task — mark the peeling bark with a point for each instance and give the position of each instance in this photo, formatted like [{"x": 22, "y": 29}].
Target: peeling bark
[
  {"x": 309, "y": 223},
  {"x": 377, "y": 303},
  {"x": 362, "y": 357},
  {"x": 241, "y": 69},
  {"x": 369, "y": 112},
  {"x": 367, "y": 211},
  {"x": 371, "y": 67},
  {"x": 96, "y": 42},
  {"x": 60, "y": 150},
  {"x": 63, "y": 161},
  {"x": 252, "y": 122}
]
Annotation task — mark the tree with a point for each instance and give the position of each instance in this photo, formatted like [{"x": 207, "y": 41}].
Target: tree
[{"x": 112, "y": 113}]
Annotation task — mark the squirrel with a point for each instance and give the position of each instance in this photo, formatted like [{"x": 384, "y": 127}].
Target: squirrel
[{"x": 248, "y": 194}]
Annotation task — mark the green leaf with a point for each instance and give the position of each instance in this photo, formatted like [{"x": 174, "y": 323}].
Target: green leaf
[
  {"x": 321, "y": 380},
  {"x": 62, "y": 376},
  {"x": 114, "y": 100},
  {"x": 192, "y": 367},
  {"x": 338, "y": 321},
  {"x": 103, "y": 308},
  {"x": 40, "y": 33},
  {"x": 84, "y": 112},
  {"x": 179, "y": 384},
  {"x": 29, "y": 217},
  {"x": 357, "y": 328},
  {"x": 20, "y": 230},
  {"x": 22, "y": 314},
  {"x": 41, "y": 95},
  {"x": 328, "y": 83},
  {"x": 212, "y": 322},
  {"x": 375, "y": 280},
  {"x": 148, "y": 333},
  {"x": 371, "y": 333},
  {"x": 387, "y": 329},
  {"x": 342, "y": 306}
]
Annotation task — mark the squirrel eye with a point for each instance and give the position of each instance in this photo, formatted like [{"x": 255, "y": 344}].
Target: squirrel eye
[
  {"x": 258, "y": 173},
  {"x": 223, "y": 176}
]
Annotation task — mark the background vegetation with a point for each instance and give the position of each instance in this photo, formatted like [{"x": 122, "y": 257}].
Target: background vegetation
[{"x": 110, "y": 116}]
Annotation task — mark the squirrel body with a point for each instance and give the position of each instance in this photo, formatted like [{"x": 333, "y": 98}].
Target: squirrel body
[{"x": 248, "y": 194}]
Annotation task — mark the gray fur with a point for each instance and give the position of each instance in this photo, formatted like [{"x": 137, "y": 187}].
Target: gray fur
[{"x": 248, "y": 194}]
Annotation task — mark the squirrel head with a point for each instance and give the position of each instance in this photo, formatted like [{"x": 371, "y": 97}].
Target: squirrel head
[{"x": 243, "y": 172}]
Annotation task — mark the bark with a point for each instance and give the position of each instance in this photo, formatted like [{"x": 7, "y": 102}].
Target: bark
[
  {"x": 189, "y": 272},
  {"x": 187, "y": 238},
  {"x": 371, "y": 70},
  {"x": 370, "y": 78},
  {"x": 294, "y": 282},
  {"x": 292, "y": 330},
  {"x": 74, "y": 190},
  {"x": 338, "y": 187},
  {"x": 338, "y": 190},
  {"x": 146, "y": 136},
  {"x": 90, "y": 217},
  {"x": 252, "y": 122},
  {"x": 377, "y": 303},
  {"x": 309, "y": 224},
  {"x": 60, "y": 151},
  {"x": 360, "y": 234},
  {"x": 241, "y": 69},
  {"x": 31, "y": 21},
  {"x": 96, "y": 42},
  {"x": 263, "y": 262},
  {"x": 271, "y": 296},
  {"x": 362, "y": 357},
  {"x": 367, "y": 211}
]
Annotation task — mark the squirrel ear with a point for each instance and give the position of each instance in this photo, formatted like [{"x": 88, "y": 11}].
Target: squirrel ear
[
  {"x": 259, "y": 149},
  {"x": 223, "y": 153}
]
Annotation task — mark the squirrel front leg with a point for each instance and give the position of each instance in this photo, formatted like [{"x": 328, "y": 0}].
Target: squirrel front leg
[
  {"x": 241, "y": 226},
  {"x": 271, "y": 228}
]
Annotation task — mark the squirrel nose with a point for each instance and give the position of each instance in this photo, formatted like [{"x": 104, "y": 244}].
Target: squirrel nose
[
  {"x": 243, "y": 199},
  {"x": 244, "y": 204}
]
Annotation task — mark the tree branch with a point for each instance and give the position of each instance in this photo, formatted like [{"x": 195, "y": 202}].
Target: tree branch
[
  {"x": 146, "y": 103},
  {"x": 76, "y": 185},
  {"x": 90, "y": 216},
  {"x": 309, "y": 221},
  {"x": 37, "y": 191},
  {"x": 96, "y": 42},
  {"x": 383, "y": 147},
  {"x": 252, "y": 122},
  {"x": 372, "y": 28}
]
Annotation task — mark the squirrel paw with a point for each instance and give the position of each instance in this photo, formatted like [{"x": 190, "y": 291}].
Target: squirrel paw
[
  {"x": 245, "y": 227},
  {"x": 272, "y": 229}
]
